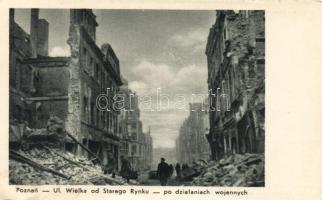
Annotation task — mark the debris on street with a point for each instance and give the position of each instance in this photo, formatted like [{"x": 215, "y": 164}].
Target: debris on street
[
  {"x": 37, "y": 157},
  {"x": 43, "y": 166},
  {"x": 236, "y": 170}
]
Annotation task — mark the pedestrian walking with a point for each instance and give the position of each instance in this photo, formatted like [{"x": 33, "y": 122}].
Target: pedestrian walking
[
  {"x": 125, "y": 169},
  {"x": 178, "y": 170},
  {"x": 171, "y": 169},
  {"x": 111, "y": 165},
  {"x": 163, "y": 172}
]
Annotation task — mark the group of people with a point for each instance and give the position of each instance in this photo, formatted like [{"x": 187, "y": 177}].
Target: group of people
[{"x": 165, "y": 171}]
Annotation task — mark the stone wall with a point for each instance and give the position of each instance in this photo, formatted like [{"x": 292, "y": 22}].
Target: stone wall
[
  {"x": 74, "y": 87},
  {"x": 236, "y": 49},
  {"x": 50, "y": 76},
  {"x": 44, "y": 109}
]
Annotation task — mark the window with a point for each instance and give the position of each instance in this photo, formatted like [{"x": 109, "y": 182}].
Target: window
[
  {"x": 91, "y": 64},
  {"x": 135, "y": 135},
  {"x": 70, "y": 147},
  {"x": 103, "y": 119},
  {"x": 85, "y": 114},
  {"x": 84, "y": 57},
  {"x": 231, "y": 82},
  {"x": 108, "y": 120},
  {"x": 98, "y": 74},
  {"x": 84, "y": 141},
  {"x": 13, "y": 73},
  {"x": 103, "y": 80},
  {"x": 92, "y": 113},
  {"x": 96, "y": 71},
  {"x": 134, "y": 150},
  {"x": 21, "y": 75},
  {"x": 115, "y": 125},
  {"x": 112, "y": 89},
  {"x": 97, "y": 118}
]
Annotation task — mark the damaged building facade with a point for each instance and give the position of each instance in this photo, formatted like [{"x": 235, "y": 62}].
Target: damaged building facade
[
  {"x": 236, "y": 67},
  {"x": 92, "y": 71},
  {"x": 67, "y": 87},
  {"x": 136, "y": 145},
  {"x": 37, "y": 82},
  {"x": 191, "y": 144}
]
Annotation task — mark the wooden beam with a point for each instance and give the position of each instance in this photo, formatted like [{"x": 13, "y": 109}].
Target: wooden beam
[
  {"x": 85, "y": 148},
  {"x": 71, "y": 161},
  {"x": 46, "y": 98},
  {"x": 18, "y": 157}
]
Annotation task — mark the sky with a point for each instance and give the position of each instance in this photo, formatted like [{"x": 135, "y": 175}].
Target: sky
[{"x": 162, "y": 49}]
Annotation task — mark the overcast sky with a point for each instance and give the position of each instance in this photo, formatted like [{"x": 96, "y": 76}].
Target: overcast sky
[{"x": 156, "y": 49}]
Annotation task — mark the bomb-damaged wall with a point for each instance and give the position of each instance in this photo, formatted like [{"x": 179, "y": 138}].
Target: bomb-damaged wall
[
  {"x": 35, "y": 83},
  {"x": 50, "y": 76},
  {"x": 240, "y": 73},
  {"x": 43, "y": 109},
  {"x": 74, "y": 87}
]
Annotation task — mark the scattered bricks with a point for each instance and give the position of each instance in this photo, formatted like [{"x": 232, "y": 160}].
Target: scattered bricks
[
  {"x": 55, "y": 124},
  {"x": 88, "y": 174},
  {"x": 238, "y": 170}
]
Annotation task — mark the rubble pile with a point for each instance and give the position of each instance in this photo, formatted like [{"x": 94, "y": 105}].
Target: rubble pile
[
  {"x": 77, "y": 169},
  {"x": 37, "y": 158},
  {"x": 54, "y": 132},
  {"x": 236, "y": 170}
]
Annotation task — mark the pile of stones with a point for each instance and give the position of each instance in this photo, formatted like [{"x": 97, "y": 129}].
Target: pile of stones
[
  {"x": 77, "y": 169},
  {"x": 237, "y": 170}
]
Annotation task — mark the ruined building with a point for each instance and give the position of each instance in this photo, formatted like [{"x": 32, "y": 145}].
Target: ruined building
[
  {"x": 135, "y": 144},
  {"x": 66, "y": 87},
  {"x": 145, "y": 150},
  {"x": 236, "y": 68},
  {"x": 147, "y": 147},
  {"x": 37, "y": 83},
  {"x": 192, "y": 145}
]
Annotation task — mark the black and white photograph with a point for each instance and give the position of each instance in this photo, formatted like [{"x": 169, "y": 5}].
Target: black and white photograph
[{"x": 136, "y": 97}]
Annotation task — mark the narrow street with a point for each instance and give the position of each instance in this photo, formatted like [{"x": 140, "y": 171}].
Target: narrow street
[
  {"x": 102, "y": 114},
  {"x": 144, "y": 179}
]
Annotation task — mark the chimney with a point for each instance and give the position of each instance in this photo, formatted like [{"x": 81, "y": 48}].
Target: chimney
[
  {"x": 34, "y": 32},
  {"x": 42, "y": 37}
]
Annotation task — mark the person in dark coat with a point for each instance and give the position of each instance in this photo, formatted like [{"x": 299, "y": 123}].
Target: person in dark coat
[
  {"x": 125, "y": 169},
  {"x": 163, "y": 172},
  {"x": 171, "y": 169},
  {"x": 178, "y": 170},
  {"x": 111, "y": 165}
]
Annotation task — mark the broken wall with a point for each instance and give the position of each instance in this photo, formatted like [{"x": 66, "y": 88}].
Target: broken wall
[
  {"x": 74, "y": 87},
  {"x": 50, "y": 76},
  {"x": 241, "y": 73},
  {"x": 52, "y": 81},
  {"x": 44, "y": 109}
]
